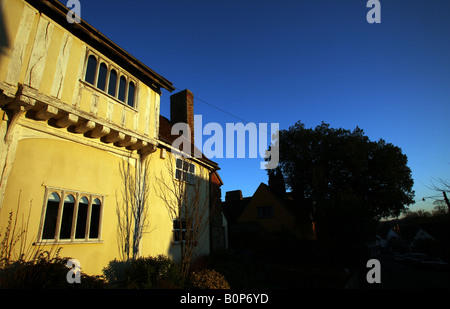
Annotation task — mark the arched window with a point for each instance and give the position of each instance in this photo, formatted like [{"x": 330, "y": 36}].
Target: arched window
[
  {"x": 67, "y": 217},
  {"x": 76, "y": 217},
  {"x": 91, "y": 69},
  {"x": 51, "y": 216},
  {"x": 83, "y": 206},
  {"x": 131, "y": 89},
  {"x": 102, "y": 72},
  {"x": 112, "y": 83},
  {"x": 117, "y": 83},
  {"x": 122, "y": 88},
  {"x": 95, "y": 218}
]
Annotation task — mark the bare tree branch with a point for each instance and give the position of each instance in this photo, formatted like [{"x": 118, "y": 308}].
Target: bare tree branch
[
  {"x": 444, "y": 187},
  {"x": 132, "y": 209},
  {"x": 187, "y": 204}
]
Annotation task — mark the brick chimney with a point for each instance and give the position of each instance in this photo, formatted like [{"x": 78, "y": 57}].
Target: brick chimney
[
  {"x": 182, "y": 110},
  {"x": 233, "y": 196}
]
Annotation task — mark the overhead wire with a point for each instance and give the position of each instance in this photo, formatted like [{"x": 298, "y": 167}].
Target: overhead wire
[{"x": 218, "y": 108}]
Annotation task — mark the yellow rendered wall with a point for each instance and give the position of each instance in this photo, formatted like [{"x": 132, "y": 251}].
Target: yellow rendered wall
[
  {"x": 54, "y": 162},
  {"x": 62, "y": 164},
  {"x": 43, "y": 55},
  {"x": 18, "y": 42},
  {"x": 159, "y": 240},
  {"x": 9, "y": 24}
]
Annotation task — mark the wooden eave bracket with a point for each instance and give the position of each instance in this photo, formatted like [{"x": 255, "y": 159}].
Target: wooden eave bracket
[{"x": 34, "y": 105}]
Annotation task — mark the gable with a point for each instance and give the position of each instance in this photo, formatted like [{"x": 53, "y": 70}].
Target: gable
[{"x": 265, "y": 208}]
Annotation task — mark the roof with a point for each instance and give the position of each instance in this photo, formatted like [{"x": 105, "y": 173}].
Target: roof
[
  {"x": 234, "y": 208},
  {"x": 437, "y": 227},
  {"x": 165, "y": 135},
  {"x": 58, "y": 12},
  {"x": 285, "y": 199}
]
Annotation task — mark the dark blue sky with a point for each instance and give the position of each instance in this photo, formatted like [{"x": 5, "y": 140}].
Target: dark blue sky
[{"x": 310, "y": 60}]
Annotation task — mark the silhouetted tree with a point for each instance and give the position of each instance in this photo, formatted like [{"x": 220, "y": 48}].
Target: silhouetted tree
[
  {"x": 276, "y": 181},
  {"x": 440, "y": 209},
  {"x": 444, "y": 187},
  {"x": 347, "y": 181}
]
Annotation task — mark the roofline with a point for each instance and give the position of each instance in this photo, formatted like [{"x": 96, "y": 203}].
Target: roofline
[
  {"x": 83, "y": 30},
  {"x": 211, "y": 165},
  {"x": 218, "y": 176}
]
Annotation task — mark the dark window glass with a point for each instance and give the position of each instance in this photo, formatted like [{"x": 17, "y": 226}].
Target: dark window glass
[
  {"x": 265, "y": 212},
  {"x": 185, "y": 171},
  {"x": 67, "y": 217},
  {"x": 112, "y": 83},
  {"x": 51, "y": 215},
  {"x": 101, "y": 82},
  {"x": 179, "y": 229},
  {"x": 131, "y": 94},
  {"x": 190, "y": 179},
  {"x": 122, "y": 88},
  {"x": 90, "y": 70},
  {"x": 81, "y": 218},
  {"x": 178, "y": 174},
  {"x": 185, "y": 166},
  {"x": 95, "y": 218}
]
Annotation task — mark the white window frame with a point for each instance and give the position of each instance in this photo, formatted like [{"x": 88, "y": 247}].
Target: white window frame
[
  {"x": 191, "y": 176},
  {"x": 183, "y": 230},
  {"x": 120, "y": 72},
  {"x": 78, "y": 195}
]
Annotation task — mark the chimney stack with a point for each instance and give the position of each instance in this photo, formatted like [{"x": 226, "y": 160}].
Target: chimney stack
[
  {"x": 182, "y": 110},
  {"x": 233, "y": 196}
]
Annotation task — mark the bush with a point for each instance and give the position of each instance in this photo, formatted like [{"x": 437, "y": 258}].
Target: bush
[
  {"x": 236, "y": 267},
  {"x": 44, "y": 272},
  {"x": 31, "y": 267},
  {"x": 159, "y": 272},
  {"x": 208, "y": 279},
  {"x": 116, "y": 273}
]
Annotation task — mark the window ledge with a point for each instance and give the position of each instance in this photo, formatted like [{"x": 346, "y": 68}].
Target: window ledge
[
  {"x": 92, "y": 87},
  {"x": 66, "y": 242}
]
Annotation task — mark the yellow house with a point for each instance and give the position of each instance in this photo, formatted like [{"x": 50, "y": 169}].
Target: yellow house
[
  {"x": 253, "y": 220},
  {"x": 74, "y": 108}
]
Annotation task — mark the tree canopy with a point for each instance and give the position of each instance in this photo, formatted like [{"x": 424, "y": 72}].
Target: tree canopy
[{"x": 345, "y": 179}]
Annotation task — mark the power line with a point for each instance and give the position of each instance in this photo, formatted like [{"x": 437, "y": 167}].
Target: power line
[
  {"x": 228, "y": 113},
  {"x": 218, "y": 108}
]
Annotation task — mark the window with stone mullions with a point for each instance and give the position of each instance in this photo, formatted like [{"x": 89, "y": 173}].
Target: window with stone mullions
[
  {"x": 71, "y": 216},
  {"x": 110, "y": 80}
]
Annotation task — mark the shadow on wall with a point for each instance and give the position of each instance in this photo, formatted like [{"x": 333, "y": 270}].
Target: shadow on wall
[{"x": 4, "y": 40}]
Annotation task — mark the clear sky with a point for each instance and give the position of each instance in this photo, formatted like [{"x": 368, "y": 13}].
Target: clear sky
[{"x": 267, "y": 61}]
